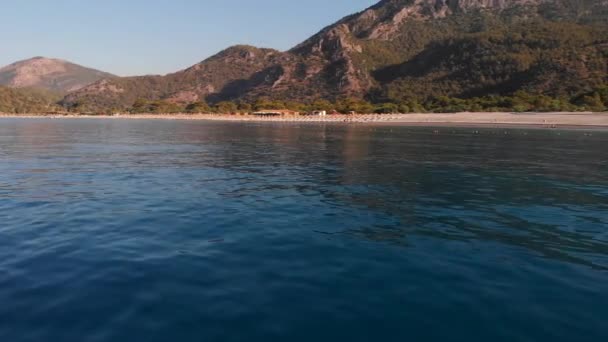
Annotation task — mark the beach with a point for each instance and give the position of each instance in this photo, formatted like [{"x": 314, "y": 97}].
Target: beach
[{"x": 548, "y": 120}]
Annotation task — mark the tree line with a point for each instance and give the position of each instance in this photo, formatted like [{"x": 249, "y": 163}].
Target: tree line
[{"x": 595, "y": 100}]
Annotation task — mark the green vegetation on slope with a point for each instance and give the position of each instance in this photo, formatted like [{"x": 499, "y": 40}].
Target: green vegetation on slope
[
  {"x": 595, "y": 100},
  {"x": 543, "y": 58},
  {"x": 19, "y": 101}
]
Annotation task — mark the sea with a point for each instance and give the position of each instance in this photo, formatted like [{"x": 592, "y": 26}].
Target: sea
[{"x": 156, "y": 230}]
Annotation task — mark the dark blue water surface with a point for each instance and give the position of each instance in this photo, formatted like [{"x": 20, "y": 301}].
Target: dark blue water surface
[{"x": 119, "y": 230}]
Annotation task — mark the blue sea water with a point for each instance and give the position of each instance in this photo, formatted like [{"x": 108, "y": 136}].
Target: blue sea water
[{"x": 120, "y": 230}]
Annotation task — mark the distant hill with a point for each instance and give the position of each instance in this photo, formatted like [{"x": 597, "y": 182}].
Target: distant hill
[
  {"x": 50, "y": 74},
  {"x": 400, "y": 51}
]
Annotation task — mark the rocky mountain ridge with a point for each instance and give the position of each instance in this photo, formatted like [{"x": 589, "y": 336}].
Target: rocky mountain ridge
[{"x": 396, "y": 49}]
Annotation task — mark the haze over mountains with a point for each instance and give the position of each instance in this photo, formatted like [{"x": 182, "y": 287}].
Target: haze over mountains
[{"x": 395, "y": 51}]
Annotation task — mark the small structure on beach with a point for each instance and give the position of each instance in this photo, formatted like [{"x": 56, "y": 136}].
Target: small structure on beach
[
  {"x": 319, "y": 113},
  {"x": 276, "y": 112},
  {"x": 53, "y": 112}
]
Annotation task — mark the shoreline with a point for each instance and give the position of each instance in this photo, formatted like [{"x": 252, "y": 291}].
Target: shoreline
[{"x": 564, "y": 120}]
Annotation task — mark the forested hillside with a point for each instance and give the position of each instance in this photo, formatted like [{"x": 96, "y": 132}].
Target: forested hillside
[{"x": 27, "y": 101}]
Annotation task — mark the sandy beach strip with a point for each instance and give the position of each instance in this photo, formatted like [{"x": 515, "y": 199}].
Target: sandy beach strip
[{"x": 549, "y": 120}]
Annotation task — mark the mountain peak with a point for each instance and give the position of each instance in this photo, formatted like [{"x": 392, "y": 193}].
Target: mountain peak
[{"x": 49, "y": 73}]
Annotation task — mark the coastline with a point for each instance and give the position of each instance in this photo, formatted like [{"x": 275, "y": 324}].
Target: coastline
[{"x": 571, "y": 120}]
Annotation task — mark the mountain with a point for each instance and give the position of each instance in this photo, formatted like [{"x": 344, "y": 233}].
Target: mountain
[
  {"x": 50, "y": 74},
  {"x": 400, "y": 50},
  {"x": 226, "y": 74}
]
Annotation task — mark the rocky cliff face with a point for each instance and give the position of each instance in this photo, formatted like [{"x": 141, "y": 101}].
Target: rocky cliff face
[
  {"x": 353, "y": 56},
  {"x": 340, "y": 46},
  {"x": 383, "y": 20},
  {"x": 50, "y": 74}
]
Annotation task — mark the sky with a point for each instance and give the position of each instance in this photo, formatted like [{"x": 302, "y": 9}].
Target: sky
[{"x": 140, "y": 37}]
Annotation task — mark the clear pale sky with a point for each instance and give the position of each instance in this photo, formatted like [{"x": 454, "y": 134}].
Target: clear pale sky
[{"x": 136, "y": 37}]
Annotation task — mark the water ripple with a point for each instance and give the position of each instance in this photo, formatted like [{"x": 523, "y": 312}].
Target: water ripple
[{"x": 114, "y": 230}]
